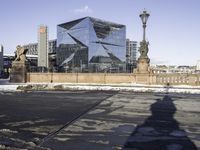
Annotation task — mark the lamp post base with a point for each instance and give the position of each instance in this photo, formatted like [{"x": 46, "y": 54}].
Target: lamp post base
[
  {"x": 143, "y": 65},
  {"x": 143, "y": 73}
]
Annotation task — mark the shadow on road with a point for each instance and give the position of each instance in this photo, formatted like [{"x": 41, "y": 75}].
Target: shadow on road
[{"x": 160, "y": 131}]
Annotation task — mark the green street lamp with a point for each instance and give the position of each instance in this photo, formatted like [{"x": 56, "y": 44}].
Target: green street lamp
[{"x": 144, "y": 17}]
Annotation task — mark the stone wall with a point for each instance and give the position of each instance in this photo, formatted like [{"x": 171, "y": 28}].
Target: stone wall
[
  {"x": 114, "y": 78},
  {"x": 178, "y": 79},
  {"x": 100, "y": 78}
]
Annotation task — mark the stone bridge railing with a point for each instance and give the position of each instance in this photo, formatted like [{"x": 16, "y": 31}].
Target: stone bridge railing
[
  {"x": 105, "y": 78},
  {"x": 178, "y": 79}
]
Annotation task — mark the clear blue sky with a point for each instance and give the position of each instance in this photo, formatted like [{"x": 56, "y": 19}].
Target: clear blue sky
[{"x": 173, "y": 28}]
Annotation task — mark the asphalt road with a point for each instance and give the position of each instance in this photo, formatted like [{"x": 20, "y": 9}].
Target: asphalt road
[
  {"x": 87, "y": 120},
  {"x": 29, "y": 117},
  {"x": 7, "y": 82},
  {"x": 4, "y": 81}
]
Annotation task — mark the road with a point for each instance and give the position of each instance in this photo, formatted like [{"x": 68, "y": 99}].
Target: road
[
  {"x": 4, "y": 81},
  {"x": 82, "y": 120}
]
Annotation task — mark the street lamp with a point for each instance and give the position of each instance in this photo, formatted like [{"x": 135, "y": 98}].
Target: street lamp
[
  {"x": 144, "y": 44},
  {"x": 143, "y": 60},
  {"x": 144, "y": 17}
]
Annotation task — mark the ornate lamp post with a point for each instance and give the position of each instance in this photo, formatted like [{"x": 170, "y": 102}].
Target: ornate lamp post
[
  {"x": 144, "y": 17},
  {"x": 143, "y": 60}
]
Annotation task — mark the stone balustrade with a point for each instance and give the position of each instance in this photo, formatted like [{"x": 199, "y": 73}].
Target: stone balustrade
[
  {"x": 178, "y": 79},
  {"x": 114, "y": 78}
]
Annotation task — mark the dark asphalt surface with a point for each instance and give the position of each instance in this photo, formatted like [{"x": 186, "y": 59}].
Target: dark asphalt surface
[
  {"x": 4, "y": 81},
  {"x": 32, "y": 116},
  {"x": 119, "y": 120},
  {"x": 7, "y": 82}
]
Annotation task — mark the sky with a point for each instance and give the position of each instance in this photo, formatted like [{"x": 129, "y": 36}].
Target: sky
[{"x": 173, "y": 28}]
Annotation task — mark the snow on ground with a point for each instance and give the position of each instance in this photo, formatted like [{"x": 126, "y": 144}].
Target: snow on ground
[
  {"x": 8, "y": 87},
  {"x": 105, "y": 87}
]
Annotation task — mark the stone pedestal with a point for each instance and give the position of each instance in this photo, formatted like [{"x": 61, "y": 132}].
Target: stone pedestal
[
  {"x": 18, "y": 72},
  {"x": 143, "y": 74},
  {"x": 143, "y": 65}
]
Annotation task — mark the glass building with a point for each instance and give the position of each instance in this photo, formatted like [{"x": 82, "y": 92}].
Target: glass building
[
  {"x": 131, "y": 55},
  {"x": 1, "y": 59},
  {"x": 91, "y": 45}
]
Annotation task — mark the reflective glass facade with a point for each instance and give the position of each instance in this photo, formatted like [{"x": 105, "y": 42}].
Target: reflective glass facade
[
  {"x": 1, "y": 59},
  {"x": 92, "y": 45},
  {"x": 131, "y": 55}
]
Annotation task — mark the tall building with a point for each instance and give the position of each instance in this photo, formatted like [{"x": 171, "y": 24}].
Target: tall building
[
  {"x": 92, "y": 45},
  {"x": 131, "y": 55},
  {"x": 43, "y": 60},
  {"x": 1, "y": 59}
]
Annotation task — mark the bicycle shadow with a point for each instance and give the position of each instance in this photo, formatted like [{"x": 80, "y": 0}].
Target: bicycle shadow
[{"x": 160, "y": 131}]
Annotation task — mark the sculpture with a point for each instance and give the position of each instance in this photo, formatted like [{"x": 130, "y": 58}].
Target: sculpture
[
  {"x": 143, "y": 49},
  {"x": 20, "y": 54},
  {"x": 18, "y": 72}
]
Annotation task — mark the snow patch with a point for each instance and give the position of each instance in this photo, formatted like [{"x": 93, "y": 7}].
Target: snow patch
[
  {"x": 7, "y": 131},
  {"x": 102, "y": 87},
  {"x": 8, "y": 87}
]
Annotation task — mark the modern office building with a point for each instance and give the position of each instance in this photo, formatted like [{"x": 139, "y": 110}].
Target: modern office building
[
  {"x": 131, "y": 55},
  {"x": 91, "y": 45},
  {"x": 1, "y": 59},
  {"x": 33, "y": 48},
  {"x": 33, "y": 51},
  {"x": 43, "y": 59}
]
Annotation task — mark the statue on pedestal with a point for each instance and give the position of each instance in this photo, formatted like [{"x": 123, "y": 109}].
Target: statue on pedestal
[
  {"x": 18, "y": 72},
  {"x": 143, "y": 49},
  {"x": 143, "y": 60}
]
